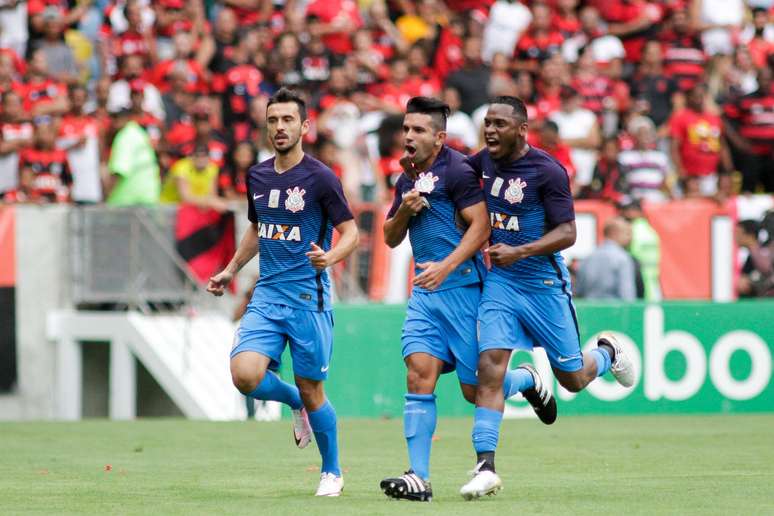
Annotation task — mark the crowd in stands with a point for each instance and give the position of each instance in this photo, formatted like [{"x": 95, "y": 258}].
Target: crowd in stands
[{"x": 147, "y": 101}]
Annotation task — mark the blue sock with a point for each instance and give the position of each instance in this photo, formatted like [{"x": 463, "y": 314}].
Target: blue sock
[
  {"x": 419, "y": 419},
  {"x": 323, "y": 421},
  {"x": 272, "y": 388},
  {"x": 602, "y": 357},
  {"x": 486, "y": 429},
  {"x": 517, "y": 380}
]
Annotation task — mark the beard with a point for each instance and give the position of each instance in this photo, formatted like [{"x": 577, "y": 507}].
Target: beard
[{"x": 284, "y": 150}]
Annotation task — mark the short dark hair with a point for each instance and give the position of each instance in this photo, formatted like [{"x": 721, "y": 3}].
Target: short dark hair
[
  {"x": 519, "y": 109},
  {"x": 284, "y": 95},
  {"x": 437, "y": 109},
  {"x": 750, "y": 227},
  {"x": 550, "y": 125}
]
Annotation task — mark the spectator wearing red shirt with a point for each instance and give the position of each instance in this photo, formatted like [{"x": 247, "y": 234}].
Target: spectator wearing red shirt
[
  {"x": 759, "y": 37},
  {"x": 448, "y": 55},
  {"x": 596, "y": 89},
  {"x": 697, "y": 145},
  {"x": 42, "y": 94},
  {"x": 550, "y": 142},
  {"x": 136, "y": 40},
  {"x": 684, "y": 57},
  {"x": 250, "y": 12},
  {"x": 16, "y": 133},
  {"x": 199, "y": 132},
  {"x": 9, "y": 75},
  {"x": 749, "y": 125},
  {"x": 429, "y": 82},
  {"x": 565, "y": 19},
  {"x": 243, "y": 82},
  {"x": 232, "y": 181},
  {"x": 45, "y": 173},
  {"x": 79, "y": 137},
  {"x": 316, "y": 63},
  {"x": 367, "y": 58},
  {"x": 217, "y": 50},
  {"x": 338, "y": 19},
  {"x": 539, "y": 43},
  {"x": 395, "y": 93},
  {"x": 634, "y": 21},
  {"x": 183, "y": 60},
  {"x": 607, "y": 183}
]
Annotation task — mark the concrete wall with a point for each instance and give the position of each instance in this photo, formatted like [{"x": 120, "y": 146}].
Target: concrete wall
[{"x": 41, "y": 270}]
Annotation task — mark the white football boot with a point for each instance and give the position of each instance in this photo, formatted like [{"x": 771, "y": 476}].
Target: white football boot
[
  {"x": 330, "y": 485},
  {"x": 302, "y": 430},
  {"x": 483, "y": 483},
  {"x": 622, "y": 367}
]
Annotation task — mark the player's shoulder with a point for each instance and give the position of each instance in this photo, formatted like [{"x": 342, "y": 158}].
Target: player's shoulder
[
  {"x": 323, "y": 174},
  {"x": 479, "y": 160},
  {"x": 456, "y": 162},
  {"x": 549, "y": 166}
]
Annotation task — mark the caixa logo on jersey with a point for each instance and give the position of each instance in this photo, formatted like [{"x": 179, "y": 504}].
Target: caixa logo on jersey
[
  {"x": 503, "y": 221},
  {"x": 272, "y": 231}
]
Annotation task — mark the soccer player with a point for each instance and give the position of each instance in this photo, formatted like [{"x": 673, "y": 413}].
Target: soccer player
[
  {"x": 439, "y": 203},
  {"x": 294, "y": 202},
  {"x": 526, "y": 300}
]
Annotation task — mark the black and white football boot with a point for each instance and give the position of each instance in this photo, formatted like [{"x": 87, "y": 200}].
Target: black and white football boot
[
  {"x": 408, "y": 486},
  {"x": 540, "y": 397}
]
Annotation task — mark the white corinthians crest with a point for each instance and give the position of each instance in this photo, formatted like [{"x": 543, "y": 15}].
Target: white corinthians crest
[
  {"x": 515, "y": 191},
  {"x": 425, "y": 183},
  {"x": 295, "y": 200}
]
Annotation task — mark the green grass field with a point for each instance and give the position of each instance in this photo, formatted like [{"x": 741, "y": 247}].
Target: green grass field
[{"x": 581, "y": 465}]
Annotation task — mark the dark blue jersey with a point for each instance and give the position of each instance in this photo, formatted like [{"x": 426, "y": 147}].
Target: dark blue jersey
[
  {"x": 450, "y": 185},
  {"x": 293, "y": 209},
  {"x": 526, "y": 199}
]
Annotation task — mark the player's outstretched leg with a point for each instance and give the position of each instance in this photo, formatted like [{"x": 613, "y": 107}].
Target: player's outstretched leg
[
  {"x": 526, "y": 380},
  {"x": 607, "y": 356},
  {"x": 620, "y": 364},
  {"x": 322, "y": 417},
  {"x": 250, "y": 375}
]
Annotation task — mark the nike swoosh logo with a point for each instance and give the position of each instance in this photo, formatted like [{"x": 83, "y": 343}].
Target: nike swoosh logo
[
  {"x": 562, "y": 360},
  {"x": 323, "y": 369},
  {"x": 485, "y": 176},
  {"x": 256, "y": 196}
]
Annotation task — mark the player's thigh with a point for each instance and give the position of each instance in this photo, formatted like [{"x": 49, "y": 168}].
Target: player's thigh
[
  {"x": 459, "y": 323},
  {"x": 422, "y": 332},
  {"x": 499, "y": 319},
  {"x": 311, "y": 343},
  {"x": 258, "y": 342},
  {"x": 551, "y": 321}
]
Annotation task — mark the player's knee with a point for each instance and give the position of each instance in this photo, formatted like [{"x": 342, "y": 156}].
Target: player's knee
[
  {"x": 488, "y": 368},
  {"x": 311, "y": 393},
  {"x": 419, "y": 381},
  {"x": 246, "y": 381}
]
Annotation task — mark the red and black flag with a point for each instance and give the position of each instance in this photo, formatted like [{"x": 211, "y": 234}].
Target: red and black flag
[
  {"x": 205, "y": 240},
  {"x": 7, "y": 299}
]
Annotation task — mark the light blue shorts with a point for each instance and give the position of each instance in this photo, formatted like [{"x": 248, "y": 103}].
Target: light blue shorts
[
  {"x": 510, "y": 318},
  {"x": 443, "y": 324},
  {"x": 266, "y": 328}
]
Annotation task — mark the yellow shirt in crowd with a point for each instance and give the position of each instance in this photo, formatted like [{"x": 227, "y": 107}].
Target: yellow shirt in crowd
[{"x": 201, "y": 183}]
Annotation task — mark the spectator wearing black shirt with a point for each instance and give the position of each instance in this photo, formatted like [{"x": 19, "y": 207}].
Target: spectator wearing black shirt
[
  {"x": 472, "y": 80},
  {"x": 651, "y": 84}
]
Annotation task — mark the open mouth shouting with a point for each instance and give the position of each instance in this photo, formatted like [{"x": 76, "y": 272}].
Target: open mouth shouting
[{"x": 411, "y": 150}]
